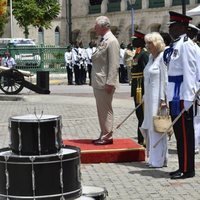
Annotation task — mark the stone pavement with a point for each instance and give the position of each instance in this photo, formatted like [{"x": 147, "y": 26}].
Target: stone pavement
[{"x": 123, "y": 181}]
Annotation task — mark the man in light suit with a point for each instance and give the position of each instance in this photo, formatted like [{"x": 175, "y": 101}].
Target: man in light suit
[{"x": 105, "y": 78}]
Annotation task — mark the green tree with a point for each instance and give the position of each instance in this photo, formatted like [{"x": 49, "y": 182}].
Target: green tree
[
  {"x": 3, "y": 21},
  {"x": 38, "y": 13}
]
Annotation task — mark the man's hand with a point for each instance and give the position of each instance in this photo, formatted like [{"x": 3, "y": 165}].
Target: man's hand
[
  {"x": 187, "y": 105},
  {"x": 109, "y": 88}
]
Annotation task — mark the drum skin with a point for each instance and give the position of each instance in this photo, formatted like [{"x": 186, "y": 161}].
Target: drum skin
[
  {"x": 98, "y": 193},
  {"x": 84, "y": 198},
  {"x": 29, "y": 126},
  {"x": 47, "y": 175}
]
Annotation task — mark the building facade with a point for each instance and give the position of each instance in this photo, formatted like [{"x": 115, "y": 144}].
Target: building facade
[{"x": 77, "y": 18}]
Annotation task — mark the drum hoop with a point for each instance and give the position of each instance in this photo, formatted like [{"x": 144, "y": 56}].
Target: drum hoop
[
  {"x": 43, "y": 196},
  {"x": 37, "y": 162},
  {"x": 104, "y": 192},
  {"x": 35, "y": 120}
]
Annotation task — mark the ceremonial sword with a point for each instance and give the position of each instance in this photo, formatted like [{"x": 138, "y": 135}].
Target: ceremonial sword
[{"x": 129, "y": 115}]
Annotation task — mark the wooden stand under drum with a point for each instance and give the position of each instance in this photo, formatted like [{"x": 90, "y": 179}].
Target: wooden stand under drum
[
  {"x": 35, "y": 135},
  {"x": 50, "y": 177}
]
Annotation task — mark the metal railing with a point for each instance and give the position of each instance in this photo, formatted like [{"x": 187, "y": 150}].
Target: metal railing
[{"x": 34, "y": 58}]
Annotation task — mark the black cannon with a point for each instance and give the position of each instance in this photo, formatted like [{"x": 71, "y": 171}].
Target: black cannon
[{"x": 12, "y": 81}]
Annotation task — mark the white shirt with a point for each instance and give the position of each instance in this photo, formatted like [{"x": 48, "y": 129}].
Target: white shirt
[
  {"x": 183, "y": 63},
  {"x": 89, "y": 52},
  {"x": 75, "y": 56},
  {"x": 68, "y": 58},
  {"x": 9, "y": 62},
  {"x": 121, "y": 58}
]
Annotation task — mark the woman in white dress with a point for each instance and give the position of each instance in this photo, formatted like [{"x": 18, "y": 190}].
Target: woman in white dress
[{"x": 155, "y": 82}]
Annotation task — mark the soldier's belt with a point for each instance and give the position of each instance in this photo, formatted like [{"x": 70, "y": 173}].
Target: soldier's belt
[{"x": 137, "y": 75}]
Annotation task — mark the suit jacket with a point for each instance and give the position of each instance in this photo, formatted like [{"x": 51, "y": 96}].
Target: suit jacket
[{"x": 106, "y": 62}]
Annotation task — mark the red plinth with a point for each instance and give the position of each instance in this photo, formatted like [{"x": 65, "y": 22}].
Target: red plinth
[{"x": 122, "y": 150}]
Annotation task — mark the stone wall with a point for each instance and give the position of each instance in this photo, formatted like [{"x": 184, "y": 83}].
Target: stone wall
[{"x": 145, "y": 19}]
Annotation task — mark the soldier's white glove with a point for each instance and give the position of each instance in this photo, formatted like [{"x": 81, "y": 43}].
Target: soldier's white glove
[{"x": 187, "y": 105}]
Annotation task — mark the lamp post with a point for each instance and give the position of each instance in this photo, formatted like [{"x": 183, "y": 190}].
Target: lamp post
[
  {"x": 132, "y": 3},
  {"x": 69, "y": 21},
  {"x": 11, "y": 19}
]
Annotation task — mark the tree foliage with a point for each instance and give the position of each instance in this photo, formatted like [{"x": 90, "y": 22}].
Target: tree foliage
[
  {"x": 3, "y": 21},
  {"x": 38, "y": 13},
  {"x": 3, "y": 15}
]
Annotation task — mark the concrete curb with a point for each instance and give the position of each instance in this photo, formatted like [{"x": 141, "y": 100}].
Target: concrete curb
[{"x": 11, "y": 98}]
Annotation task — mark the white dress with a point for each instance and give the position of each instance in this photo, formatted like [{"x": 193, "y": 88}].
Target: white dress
[{"x": 155, "y": 82}]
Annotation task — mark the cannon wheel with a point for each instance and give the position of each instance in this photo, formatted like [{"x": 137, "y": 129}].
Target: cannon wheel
[{"x": 11, "y": 81}]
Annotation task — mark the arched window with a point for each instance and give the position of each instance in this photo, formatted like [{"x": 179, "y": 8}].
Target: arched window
[
  {"x": 57, "y": 36},
  {"x": 179, "y": 2},
  {"x": 95, "y": 6},
  {"x": 95, "y": 2},
  {"x": 40, "y": 35},
  {"x": 156, "y": 3},
  {"x": 114, "y": 5}
]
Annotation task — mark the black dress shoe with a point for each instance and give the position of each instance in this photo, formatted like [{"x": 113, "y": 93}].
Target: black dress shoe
[
  {"x": 174, "y": 172},
  {"x": 103, "y": 141},
  {"x": 183, "y": 175},
  {"x": 93, "y": 141}
]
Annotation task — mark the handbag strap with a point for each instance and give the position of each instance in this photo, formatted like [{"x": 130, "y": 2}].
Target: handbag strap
[{"x": 160, "y": 109}]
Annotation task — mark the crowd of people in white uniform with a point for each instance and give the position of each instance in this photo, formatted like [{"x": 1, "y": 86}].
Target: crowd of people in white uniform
[{"x": 79, "y": 64}]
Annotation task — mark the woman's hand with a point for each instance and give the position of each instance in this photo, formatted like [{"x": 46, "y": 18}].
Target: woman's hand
[{"x": 163, "y": 103}]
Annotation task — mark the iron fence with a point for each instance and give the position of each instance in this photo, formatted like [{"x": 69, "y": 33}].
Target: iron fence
[{"x": 37, "y": 58}]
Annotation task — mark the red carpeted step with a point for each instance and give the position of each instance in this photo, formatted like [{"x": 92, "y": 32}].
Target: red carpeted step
[{"x": 122, "y": 150}]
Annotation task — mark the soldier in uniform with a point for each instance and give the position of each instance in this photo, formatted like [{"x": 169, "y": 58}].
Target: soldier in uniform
[
  {"x": 76, "y": 63},
  {"x": 180, "y": 58},
  {"x": 128, "y": 60},
  {"x": 122, "y": 69},
  {"x": 89, "y": 51},
  {"x": 68, "y": 63},
  {"x": 83, "y": 63},
  {"x": 140, "y": 60}
]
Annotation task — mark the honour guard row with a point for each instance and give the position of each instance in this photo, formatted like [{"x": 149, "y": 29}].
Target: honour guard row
[{"x": 79, "y": 63}]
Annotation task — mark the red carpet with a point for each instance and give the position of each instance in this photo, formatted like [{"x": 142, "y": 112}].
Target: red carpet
[{"x": 122, "y": 150}]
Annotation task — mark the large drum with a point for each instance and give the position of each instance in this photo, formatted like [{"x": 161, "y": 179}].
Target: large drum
[
  {"x": 35, "y": 135},
  {"x": 50, "y": 177}
]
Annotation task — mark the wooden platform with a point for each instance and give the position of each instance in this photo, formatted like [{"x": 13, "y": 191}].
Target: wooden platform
[{"x": 122, "y": 150}]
